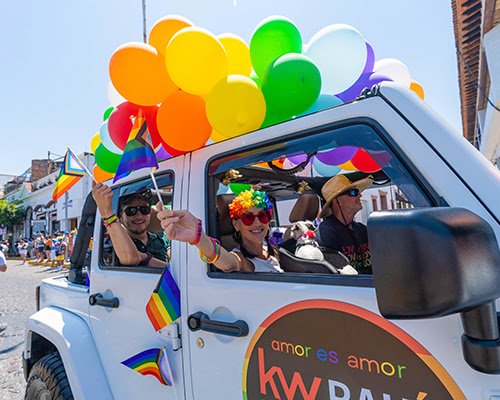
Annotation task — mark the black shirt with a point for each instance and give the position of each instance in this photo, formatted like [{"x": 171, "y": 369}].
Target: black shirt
[{"x": 353, "y": 242}]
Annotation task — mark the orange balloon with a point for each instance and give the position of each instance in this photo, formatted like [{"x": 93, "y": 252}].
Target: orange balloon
[
  {"x": 139, "y": 74},
  {"x": 182, "y": 121},
  {"x": 164, "y": 29},
  {"x": 100, "y": 175},
  {"x": 417, "y": 88}
]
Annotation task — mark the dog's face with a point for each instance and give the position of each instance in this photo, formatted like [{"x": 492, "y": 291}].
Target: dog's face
[{"x": 300, "y": 228}]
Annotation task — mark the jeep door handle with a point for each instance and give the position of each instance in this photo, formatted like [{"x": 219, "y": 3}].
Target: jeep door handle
[
  {"x": 97, "y": 299},
  {"x": 201, "y": 321}
]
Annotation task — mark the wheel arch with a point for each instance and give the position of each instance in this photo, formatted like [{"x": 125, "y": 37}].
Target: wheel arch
[{"x": 53, "y": 329}]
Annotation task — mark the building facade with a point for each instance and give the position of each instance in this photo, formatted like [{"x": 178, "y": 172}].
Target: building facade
[{"x": 477, "y": 39}]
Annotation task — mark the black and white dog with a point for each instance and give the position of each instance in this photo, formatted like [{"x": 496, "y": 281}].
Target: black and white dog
[{"x": 308, "y": 248}]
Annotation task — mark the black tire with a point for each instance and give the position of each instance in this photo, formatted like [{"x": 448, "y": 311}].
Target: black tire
[{"x": 48, "y": 381}]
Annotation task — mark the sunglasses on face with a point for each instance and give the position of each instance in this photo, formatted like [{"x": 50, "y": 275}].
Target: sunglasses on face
[
  {"x": 351, "y": 192},
  {"x": 248, "y": 218},
  {"x": 131, "y": 211}
]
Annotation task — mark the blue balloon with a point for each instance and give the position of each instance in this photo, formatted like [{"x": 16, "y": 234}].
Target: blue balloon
[
  {"x": 323, "y": 169},
  {"x": 323, "y": 102},
  {"x": 340, "y": 52}
]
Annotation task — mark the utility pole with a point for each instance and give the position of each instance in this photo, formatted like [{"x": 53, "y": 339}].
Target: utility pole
[{"x": 144, "y": 21}]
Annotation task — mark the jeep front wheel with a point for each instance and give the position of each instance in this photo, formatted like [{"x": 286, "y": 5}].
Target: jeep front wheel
[{"x": 48, "y": 381}]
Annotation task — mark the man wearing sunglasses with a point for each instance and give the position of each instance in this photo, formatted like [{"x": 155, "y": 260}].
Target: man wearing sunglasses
[
  {"x": 128, "y": 229},
  {"x": 338, "y": 230}
]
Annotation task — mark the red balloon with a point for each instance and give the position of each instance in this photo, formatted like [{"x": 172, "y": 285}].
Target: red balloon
[
  {"x": 364, "y": 162},
  {"x": 120, "y": 123}
]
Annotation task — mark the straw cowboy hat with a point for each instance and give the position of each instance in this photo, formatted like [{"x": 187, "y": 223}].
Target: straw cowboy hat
[{"x": 337, "y": 185}]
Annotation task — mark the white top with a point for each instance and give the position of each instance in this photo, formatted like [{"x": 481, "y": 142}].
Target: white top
[
  {"x": 3, "y": 261},
  {"x": 261, "y": 265}
]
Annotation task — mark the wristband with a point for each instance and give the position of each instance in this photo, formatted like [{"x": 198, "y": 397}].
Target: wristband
[
  {"x": 110, "y": 220},
  {"x": 199, "y": 230},
  {"x": 217, "y": 250}
]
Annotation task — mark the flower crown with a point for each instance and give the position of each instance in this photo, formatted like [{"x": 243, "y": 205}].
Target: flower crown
[{"x": 248, "y": 199}]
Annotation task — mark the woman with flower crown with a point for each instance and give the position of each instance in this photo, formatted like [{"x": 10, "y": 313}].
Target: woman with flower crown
[{"x": 251, "y": 213}]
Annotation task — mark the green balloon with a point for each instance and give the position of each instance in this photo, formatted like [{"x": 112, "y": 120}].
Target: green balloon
[
  {"x": 291, "y": 86},
  {"x": 106, "y": 160},
  {"x": 107, "y": 113},
  {"x": 237, "y": 188},
  {"x": 274, "y": 37}
]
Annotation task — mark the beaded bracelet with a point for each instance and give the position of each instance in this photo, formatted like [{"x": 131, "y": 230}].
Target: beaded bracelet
[
  {"x": 199, "y": 229},
  {"x": 217, "y": 250},
  {"x": 110, "y": 220}
]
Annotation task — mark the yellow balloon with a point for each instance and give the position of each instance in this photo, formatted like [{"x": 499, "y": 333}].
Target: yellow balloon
[
  {"x": 347, "y": 166},
  {"x": 235, "y": 106},
  {"x": 217, "y": 137},
  {"x": 417, "y": 88},
  {"x": 96, "y": 141},
  {"x": 195, "y": 60},
  {"x": 238, "y": 54},
  {"x": 138, "y": 73},
  {"x": 164, "y": 29}
]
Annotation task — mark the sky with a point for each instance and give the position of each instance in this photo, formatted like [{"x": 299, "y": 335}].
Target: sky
[{"x": 55, "y": 53}]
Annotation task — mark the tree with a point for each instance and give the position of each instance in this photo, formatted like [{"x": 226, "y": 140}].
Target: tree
[{"x": 11, "y": 214}]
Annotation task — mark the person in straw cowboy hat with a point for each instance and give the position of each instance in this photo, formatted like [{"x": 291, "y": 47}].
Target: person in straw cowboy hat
[{"x": 338, "y": 230}]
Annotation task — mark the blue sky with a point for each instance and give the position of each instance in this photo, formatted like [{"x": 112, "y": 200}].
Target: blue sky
[{"x": 55, "y": 53}]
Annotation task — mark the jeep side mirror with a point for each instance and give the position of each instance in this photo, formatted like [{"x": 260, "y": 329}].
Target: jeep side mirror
[{"x": 438, "y": 261}]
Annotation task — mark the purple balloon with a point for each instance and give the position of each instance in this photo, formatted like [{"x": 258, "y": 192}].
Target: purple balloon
[
  {"x": 337, "y": 156},
  {"x": 162, "y": 154},
  {"x": 370, "y": 58},
  {"x": 296, "y": 160},
  {"x": 351, "y": 93},
  {"x": 382, "y": 158}
]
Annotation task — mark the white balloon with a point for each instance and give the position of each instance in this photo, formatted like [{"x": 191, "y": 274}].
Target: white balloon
[
  {"x": 114, "y": 97},
  {"x": 394, "y": 69},
  {"x": 339, "y": 51},
  {"x": 106, "y": 139}
]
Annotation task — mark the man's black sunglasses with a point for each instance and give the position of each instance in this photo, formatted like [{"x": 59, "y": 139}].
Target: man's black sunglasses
[
  {"x": 351, "y": 192},
  {"x": 132, "y": 210}
]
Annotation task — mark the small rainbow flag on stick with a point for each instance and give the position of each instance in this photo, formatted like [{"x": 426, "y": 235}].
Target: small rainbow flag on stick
[
  {"x": 139, "y": 152},
  {"x": 152, "y": 362},
  {"x": 164, "y": 305},
  {"x": 71, "y": 172}
]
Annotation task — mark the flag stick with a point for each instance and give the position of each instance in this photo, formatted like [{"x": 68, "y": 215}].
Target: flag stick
[
  {"x": 156, "y": 188},
  {"x": 82, "y": 165}
]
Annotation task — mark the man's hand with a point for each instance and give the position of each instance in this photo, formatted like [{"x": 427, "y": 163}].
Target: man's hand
[
  {"x": 179, "y": 225},
  {"x": 103, "y": 196},
  {"x": 3, "y": 268}
]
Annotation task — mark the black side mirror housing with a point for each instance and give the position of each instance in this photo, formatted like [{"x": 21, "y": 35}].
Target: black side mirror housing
[
  {"x": 439, "y": 261},
  {"x": 432, "y": 262}
]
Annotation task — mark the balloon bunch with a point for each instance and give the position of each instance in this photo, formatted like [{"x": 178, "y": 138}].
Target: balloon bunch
[
  {"x": 342, "y": 159},
  {"x": 194, "y": 86}
]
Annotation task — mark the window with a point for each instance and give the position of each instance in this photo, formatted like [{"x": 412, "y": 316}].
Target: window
[
  {"x": 292, "y": 173},
  {"x": 383, "y": 201},
  {"x": 374, "y": 203},
  {"x": 165, "y": 182}
]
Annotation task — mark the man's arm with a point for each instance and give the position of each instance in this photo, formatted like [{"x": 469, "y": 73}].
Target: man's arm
[
  {"x": 123, "y": 245},
  {"x": 3, "y": 262}
]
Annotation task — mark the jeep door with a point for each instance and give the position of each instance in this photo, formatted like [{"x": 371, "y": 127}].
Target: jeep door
[
  {"x": 319, "y": 335},
  {"x": 123, "y": 330}
]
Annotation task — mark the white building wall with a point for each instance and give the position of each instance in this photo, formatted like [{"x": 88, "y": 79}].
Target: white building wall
[{"x": 490, "y": 135}]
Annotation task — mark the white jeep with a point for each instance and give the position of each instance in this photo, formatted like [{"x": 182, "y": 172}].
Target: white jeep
[{"x": 424, "y": 326}]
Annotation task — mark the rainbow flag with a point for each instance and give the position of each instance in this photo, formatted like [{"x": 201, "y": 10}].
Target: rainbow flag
[
  {"x": 139, "y": 152},
  {"x": 71, "y": 172},
  {"x": 152, "y": 362},
  {"x": 164, "y": 305}
]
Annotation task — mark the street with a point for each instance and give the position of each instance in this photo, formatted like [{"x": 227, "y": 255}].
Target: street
[{"x": 17, "y": 303}]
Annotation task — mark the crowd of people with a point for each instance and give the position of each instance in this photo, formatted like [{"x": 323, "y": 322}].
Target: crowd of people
[{"x": 42, "y": 248}]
